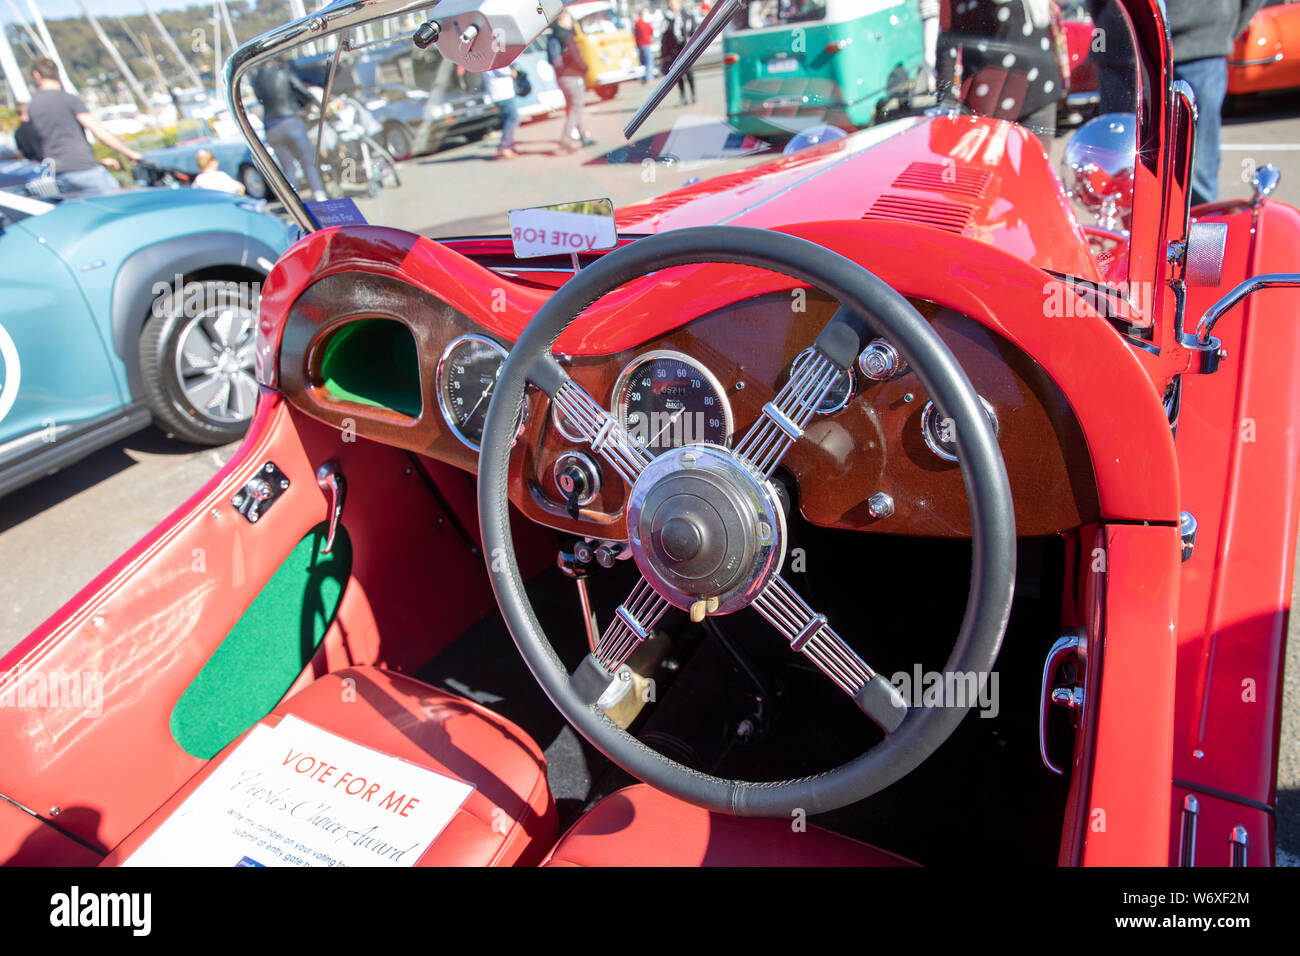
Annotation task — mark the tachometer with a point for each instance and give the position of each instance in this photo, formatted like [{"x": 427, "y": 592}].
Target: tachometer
[
  {"x": 467, "y": 373},
  {"x": 666, "y": 399}
]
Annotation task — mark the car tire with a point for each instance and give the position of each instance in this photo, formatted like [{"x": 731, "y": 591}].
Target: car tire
[
  {"x": 251, "y": 178},
  {"x": 608, "y": 91},
  {"x": 397, "y": 141},
  {"x": 211, "y": 321}
]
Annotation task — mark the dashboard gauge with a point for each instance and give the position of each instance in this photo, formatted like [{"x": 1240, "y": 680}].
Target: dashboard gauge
[
  {"x": 666, "y": 399},
  {"x": 842, "y": 390},
  {"x": 938, "y": 431},
  {"x": 467, "y": 374}
]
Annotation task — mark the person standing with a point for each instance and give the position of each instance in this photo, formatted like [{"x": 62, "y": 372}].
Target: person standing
[
  {"x": 1203, "y": 33},
  {"x": 282, "y": 96},
  {"x": 501, "y": 87},
  {"x": 571, "y": 72},
  {"x": 679, "y": 24},
  {"x": 61, "y": 121},
  {"x": 644, "y": 31}
]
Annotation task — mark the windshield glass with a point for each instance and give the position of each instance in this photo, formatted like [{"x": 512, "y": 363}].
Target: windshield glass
[{"x": 419, "y": 143}]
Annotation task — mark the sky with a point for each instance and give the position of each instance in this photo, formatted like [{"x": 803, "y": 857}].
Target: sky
[{"x": 58, "y": 9}]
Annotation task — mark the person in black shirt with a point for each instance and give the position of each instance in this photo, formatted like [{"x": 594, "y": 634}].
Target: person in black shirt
[
  {"x": 679, "y": 24},
  {"x": 26, "y": 139},
  {"x": 283, "y": 96}
]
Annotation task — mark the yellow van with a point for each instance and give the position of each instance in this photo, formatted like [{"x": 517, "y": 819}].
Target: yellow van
[{"x": 608, "y": 48}]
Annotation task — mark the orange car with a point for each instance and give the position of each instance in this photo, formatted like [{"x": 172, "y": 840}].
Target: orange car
[{"x": 1267, "y": 55}]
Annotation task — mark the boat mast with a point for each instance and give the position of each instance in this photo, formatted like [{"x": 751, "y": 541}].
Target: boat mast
[
  {"x": 17, "y": 84},
  {"x": 136, "y": 89},
  {"x": 50, "y": 49},
  {"x": 171, "y": 44}
]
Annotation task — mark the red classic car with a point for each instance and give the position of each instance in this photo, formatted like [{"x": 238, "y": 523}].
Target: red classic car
[
  {"x": 863, "y": 505},
  {"x": 1267, "y": 56}
]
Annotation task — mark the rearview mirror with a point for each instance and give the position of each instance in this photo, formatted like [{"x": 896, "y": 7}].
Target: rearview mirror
[{"x": 564, "y": 229}]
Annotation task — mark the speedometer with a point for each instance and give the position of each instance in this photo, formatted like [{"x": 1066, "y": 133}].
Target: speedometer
[
  {"x": 467, "y": 373},
  {"x": 666, "y": 399}
]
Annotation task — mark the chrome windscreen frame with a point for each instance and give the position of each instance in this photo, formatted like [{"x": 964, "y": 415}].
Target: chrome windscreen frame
[{"x": 338, "y": 16}]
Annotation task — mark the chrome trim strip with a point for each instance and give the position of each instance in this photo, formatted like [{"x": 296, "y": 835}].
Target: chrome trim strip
[
  {"x": 1239, "y": 844},
  {"x": 1275, "y": 58},
  {"x": 1187, "y": 839}
]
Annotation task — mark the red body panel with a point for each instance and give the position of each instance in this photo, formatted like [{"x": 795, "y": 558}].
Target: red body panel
[
  {"x": 1239, "y": 454},
  {"x": 1131, "y": 631},
  {"x": 983, "y": 178},
  {"x": 1267, "y": 55}
]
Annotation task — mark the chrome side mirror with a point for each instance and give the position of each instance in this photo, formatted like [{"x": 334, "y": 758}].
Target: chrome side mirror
[
  {"x": 1099, "y": 162},
  {"x": 1263, "y": 183}
]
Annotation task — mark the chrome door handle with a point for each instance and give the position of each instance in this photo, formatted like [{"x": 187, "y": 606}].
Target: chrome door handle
[
  {"x": 1068, "y": 648},
  {"x": 331, "y": 481}
]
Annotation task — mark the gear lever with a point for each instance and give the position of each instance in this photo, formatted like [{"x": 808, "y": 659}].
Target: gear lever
[{"x": 572, "y": 566}]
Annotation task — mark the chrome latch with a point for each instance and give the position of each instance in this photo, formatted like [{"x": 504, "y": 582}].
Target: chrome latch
[
  {"x": 1187, "y": 533},
  {"x": 1070, "y": 649},
  {"x": 260, "y": 492},
  {"x": 331, "y": 481}
]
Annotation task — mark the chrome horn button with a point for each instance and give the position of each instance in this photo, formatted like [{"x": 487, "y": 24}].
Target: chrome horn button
[{"x": 702, "y": 526}]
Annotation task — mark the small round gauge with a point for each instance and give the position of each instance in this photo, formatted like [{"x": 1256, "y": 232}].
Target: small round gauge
[
  {"x": 938, "y": 431},
  {"x": 842, "y": 389},
  {"x": 467, "y": 373},
  {"x": 666, "y": 399}
]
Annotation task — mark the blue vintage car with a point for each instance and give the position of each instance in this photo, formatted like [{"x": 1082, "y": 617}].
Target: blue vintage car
[
  {"x": 232, "y": 155},
  {"x": 123, "y": 309}
]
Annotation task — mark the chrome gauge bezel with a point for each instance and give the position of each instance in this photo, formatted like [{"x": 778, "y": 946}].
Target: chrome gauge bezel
[
  {"x": 927, "y": 420},
  {"x": 438, "y": 381},
  {"x": 621, "y": 383},
  {"x": 849, "y": 395},
  {"x": 557, "y": 418}
]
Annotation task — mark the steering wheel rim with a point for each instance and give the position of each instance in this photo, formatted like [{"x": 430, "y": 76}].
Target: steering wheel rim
[{"x": 983, "y": 473}]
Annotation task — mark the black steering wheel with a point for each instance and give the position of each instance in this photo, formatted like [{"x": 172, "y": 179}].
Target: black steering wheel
[{"x": 707, "y": 530}]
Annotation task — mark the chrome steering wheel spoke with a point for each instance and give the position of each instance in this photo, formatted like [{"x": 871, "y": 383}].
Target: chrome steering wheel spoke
[
  {"x": 602, "y": 431},
  {"x": 633, "y": 622},
  {"x": 811, "y": 379},
  {"x": 810, "y": 635}
]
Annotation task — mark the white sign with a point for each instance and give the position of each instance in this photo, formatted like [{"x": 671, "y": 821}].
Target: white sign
[
  {"x": 546, "y": 232},
  {"x": 296, "y": 795}
]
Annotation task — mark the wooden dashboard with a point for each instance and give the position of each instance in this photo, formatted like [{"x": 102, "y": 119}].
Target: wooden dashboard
[{"x": 873, "y": 444}]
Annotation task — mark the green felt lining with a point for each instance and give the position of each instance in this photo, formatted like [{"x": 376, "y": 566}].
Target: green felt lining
[
  {"x": 267, "y": 649},
  {"x": 374, "y": 362}
]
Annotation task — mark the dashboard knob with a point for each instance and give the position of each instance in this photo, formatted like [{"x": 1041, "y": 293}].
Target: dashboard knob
[
  {"x": 880, "y": 361},
  {"x": 607, "y": 554}
]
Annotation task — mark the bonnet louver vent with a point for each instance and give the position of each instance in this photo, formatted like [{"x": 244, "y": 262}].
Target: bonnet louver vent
[
  {"x": 948, "y": 216},
  {"x": 945, "y": 177}
]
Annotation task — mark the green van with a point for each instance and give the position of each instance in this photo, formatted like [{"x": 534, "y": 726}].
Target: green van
[{"x": 788, "y": 64}]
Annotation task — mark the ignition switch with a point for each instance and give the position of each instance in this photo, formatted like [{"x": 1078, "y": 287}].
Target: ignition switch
[{"x": 577, "y": 478}]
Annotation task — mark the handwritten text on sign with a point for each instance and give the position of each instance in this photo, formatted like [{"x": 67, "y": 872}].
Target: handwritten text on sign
[{"x": 296, "y": 795}]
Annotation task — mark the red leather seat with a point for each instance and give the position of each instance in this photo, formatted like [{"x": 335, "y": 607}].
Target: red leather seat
[
  {"x": 509, "y": 818},
  {"x": 640, "y": 826}
]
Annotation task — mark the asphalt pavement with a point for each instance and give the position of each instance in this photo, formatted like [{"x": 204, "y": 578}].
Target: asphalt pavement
[{"x": 58, "y": 533}]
